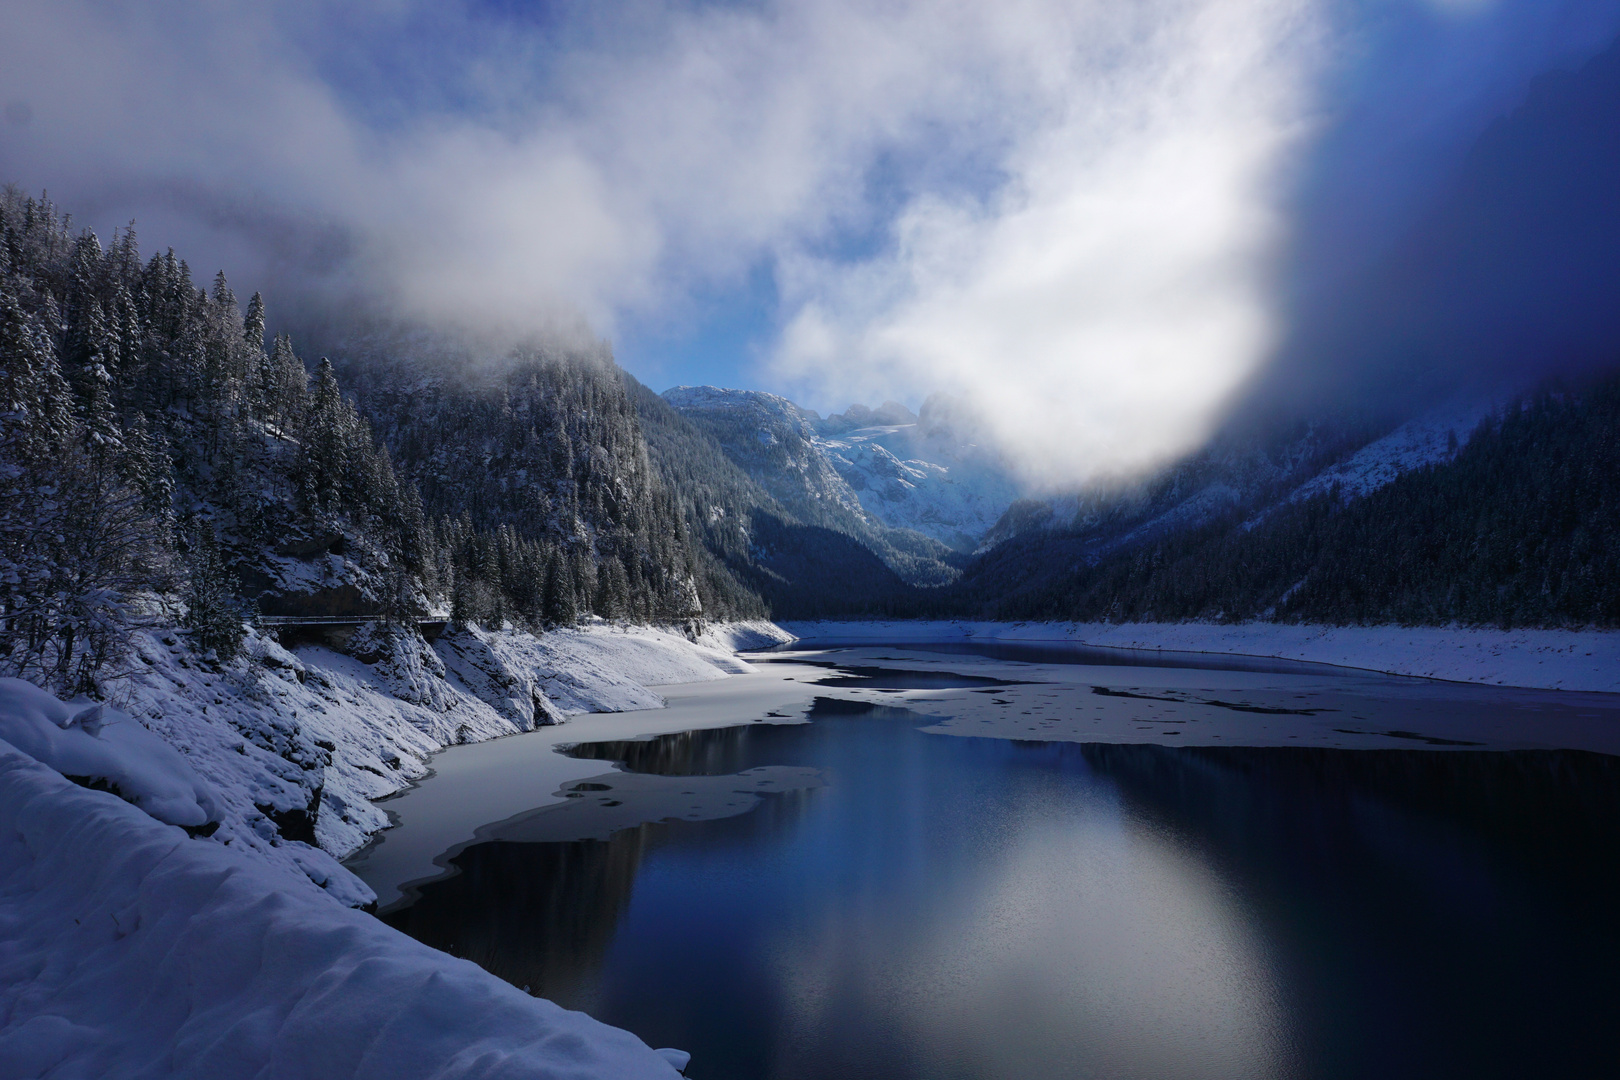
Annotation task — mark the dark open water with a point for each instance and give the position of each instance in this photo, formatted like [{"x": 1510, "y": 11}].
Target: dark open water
[{"x": 951, "y": 907}]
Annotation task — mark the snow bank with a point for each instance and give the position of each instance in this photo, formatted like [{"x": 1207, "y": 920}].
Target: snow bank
[
  {"x": 98, "y": 744},
  {"x": 741, "y": 636},
  {"x": 292, "y": 746},
  {"x": 1585, "y": 660},
  {"x": 129, "y": 949}
]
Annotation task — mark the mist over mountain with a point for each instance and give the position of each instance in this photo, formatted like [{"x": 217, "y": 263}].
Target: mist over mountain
[
  {"x": 1506, "y": 275},
  {"x": 1512, "y": 522},
  {"x": 1408, "y": 430},
  {"x": 509, "y": 475},
  {"x": 1100, "y": 222},
  {"x": 160, "y": 463}
]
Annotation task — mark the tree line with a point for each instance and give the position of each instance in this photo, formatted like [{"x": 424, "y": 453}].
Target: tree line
[
  {"x": 161, "y": 460},
  {"x": 1520, "y": 528}
]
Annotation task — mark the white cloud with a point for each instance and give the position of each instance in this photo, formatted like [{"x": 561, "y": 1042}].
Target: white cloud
[
  {"x": 1104, "y": 303},
  {"x": 1082, "y": 196}
]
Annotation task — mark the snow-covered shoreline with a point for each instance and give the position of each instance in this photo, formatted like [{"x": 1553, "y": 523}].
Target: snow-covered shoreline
[
  {"x": 131, "y": 949},
  {"x": 1584, "y": 660},
  {"x": 294, "y": 745},
  {"x": 190, "y": 927},
  {"x": 136, "y": 946}
]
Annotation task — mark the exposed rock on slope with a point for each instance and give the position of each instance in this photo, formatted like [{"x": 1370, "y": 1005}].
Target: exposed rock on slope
[
  {"x": 775, "y": 442},
  {"x": 916, "y": 495},
  {"x": 927, "y": 473}
]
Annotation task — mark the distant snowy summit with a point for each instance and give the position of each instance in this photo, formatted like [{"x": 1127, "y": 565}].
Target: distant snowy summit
[
  {"x": 931, "y": 473},
  {"x": 889, "y": 414},
  {"x": 922, "y": 472},
  {"x": 1255, "y": 476}
]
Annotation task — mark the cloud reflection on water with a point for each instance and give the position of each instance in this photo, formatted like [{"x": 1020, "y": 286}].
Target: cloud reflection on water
[{"x": 1096, "y": 942}]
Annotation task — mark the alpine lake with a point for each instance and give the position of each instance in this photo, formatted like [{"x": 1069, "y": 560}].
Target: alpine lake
[{"x": 962, "y": 862}]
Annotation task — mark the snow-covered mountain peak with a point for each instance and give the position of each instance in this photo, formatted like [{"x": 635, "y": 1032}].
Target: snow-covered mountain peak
[
  {"x": 887, "y": 463},
  {"x": 907, "y": 478},
  {"x": 857, "y": 417},
  {"x": 741, "y": 402}
]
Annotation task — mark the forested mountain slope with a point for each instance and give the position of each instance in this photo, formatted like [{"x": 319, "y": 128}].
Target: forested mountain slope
[
  {"x": 542, "y": 449},
  {"x": 792, "y": 567},
  {"x": 1519, "y": 525},
  {"x": 152, "y": 448},
  {"x": 159, "y": 464}
]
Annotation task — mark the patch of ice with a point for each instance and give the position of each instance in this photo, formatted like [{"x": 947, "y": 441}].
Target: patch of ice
[{"x": 1581, "y": 660}]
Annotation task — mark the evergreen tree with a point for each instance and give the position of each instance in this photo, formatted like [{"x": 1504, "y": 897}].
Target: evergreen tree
[{"x": 214, "y": 615}]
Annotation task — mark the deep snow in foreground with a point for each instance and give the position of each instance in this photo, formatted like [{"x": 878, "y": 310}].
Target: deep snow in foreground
[
  {"x": 129, "y": 949},
  {"x": 170, "y": 913},
  {"x": 1587, "y": 660}
]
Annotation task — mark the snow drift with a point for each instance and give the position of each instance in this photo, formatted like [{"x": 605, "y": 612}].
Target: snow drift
[
  {"x": 101, "y": 745},
  {"x": 130, "y": 950}
]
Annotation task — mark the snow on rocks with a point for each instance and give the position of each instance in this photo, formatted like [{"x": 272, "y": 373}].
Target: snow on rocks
[
  {"x": 1583, "y": 660},
  {"x": 129, "y": 949},
  {"x": 293, "y": 746},
  {"x": 733, "y": 637},
  {"x": 951, "y": 491},
  {"x": 408, "y": 666},
  {"x": 99, "y": 745},
  {"x": 1430, "y": 439},
  {"x": 491, "y": 667}
]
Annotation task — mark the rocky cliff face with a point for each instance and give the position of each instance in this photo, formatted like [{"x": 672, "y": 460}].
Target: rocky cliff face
[
  {"x": 882, "y": 473},
  {"x": 931, "y": 474},
  {"x": 777, "y": 444}
]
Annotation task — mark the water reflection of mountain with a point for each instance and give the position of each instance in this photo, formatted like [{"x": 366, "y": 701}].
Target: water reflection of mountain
[
  {"x": 719, "y": 751},
  {"x": 1536, "y": 801},
  {"x": 713, "y": 752},
  {"x": 1399, "y": 913},
  {"x": 537, "y": 915},
  {"x": 542, "y": 915}
]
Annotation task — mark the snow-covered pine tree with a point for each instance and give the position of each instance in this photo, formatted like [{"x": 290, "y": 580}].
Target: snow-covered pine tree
[{"x": 214, "y": 615}]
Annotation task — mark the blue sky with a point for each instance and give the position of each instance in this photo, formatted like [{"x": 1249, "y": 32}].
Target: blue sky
[{"x": 1092, "y": 217}]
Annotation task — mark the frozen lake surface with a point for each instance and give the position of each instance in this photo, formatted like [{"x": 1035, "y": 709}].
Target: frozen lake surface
[{"x": 1011, "y": 861}]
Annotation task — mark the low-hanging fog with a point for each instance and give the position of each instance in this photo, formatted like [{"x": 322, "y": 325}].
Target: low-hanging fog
[{"x": 1091, "y": 219}]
